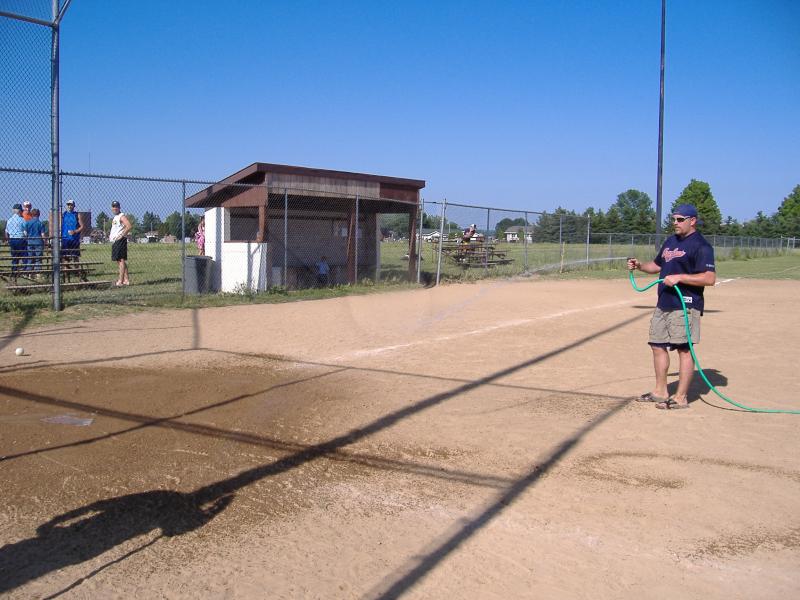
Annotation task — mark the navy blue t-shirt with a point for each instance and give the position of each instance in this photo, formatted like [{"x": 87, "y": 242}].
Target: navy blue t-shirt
[{"x": 690, "y": 255}]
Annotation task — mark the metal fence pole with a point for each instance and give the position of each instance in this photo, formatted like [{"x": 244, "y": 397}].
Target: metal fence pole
[
  {"x": 525, "y": 238},
  {"x": 441, "y": 235},
  {"x": 54, "y": 147},
  {"x": 588, "y": 234},
  {"x": 419, "y": 239},
  {"x": 560, "y": 229},
  {"x": 486, "y": 240},
  {"x": 183, "y": 241},
  {"x": 358, "y": 198},
  {"x": 285, "y": 238}
]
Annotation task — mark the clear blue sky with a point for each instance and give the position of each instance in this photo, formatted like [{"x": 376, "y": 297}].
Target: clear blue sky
[{"x": 512, "y": 104}]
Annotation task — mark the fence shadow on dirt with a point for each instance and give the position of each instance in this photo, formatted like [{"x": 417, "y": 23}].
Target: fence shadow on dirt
[
  {"x": 61, "y": 542},
  {"x": 430, "y": 559}
]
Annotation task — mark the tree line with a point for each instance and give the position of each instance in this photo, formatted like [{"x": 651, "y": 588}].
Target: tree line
[
  {"x": 633, "y": 212},
  {"x": 171, "y": 225}
]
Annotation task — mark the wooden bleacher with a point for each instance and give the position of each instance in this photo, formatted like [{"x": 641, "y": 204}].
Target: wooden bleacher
[
  {"x": 475, "y": 253},
  {"x": 28, "y": 276}
]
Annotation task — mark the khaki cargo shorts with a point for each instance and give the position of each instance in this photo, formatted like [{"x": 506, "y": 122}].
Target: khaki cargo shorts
[{"x": 668, "y": 329}]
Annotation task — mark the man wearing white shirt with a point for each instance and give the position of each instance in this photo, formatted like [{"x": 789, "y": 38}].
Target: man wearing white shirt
[{"x": 118, "y": 236}]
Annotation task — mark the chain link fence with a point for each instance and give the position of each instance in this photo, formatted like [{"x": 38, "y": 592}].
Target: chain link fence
[
  {"x": 474, "y": 242},
  {"x": 25, "y": 95},
  {"x": 309, "y": 240},
  {"x": 304, "y": 239},
  {"x": 256, "y": 238},
  {"x": 159, "y": 239}
]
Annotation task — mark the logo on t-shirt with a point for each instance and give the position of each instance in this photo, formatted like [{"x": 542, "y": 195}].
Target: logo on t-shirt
[{"x": 668, "y": 254}]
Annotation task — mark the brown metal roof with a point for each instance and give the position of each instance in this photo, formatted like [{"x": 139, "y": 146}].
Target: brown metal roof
[{"x": 278, "y": 177}]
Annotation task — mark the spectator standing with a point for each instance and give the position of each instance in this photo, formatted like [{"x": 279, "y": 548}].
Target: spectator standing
[
  {"x": 200, "y": 236},
  {"x": 26, "y": 210},
  {"x": 15, "y": 234},
  {"x": 71, "y": 229},
  {"x": 35, "y": 231},
  {"x": 118, "y": 236},
  {"x": 468, "y": 233},
  {"x": 323, "y": 272}
]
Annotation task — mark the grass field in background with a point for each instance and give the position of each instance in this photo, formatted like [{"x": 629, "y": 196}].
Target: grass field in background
[
  {"x": 547, "y": 258},
  {"x": 530, "y": 257},
  {"x": 785, "y": 267},
  {"x": 155, "y": 272}
]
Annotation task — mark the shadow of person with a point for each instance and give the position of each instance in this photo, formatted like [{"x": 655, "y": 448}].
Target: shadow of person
[
  {"x": 89, "y": 531},
  {"x": 698, "y": 387}
]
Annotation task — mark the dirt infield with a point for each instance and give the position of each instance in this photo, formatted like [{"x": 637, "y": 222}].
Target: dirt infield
[{"x": 467, "y": 441}]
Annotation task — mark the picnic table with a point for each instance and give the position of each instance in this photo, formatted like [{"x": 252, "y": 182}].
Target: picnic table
[{"x": 475, "y": 253}]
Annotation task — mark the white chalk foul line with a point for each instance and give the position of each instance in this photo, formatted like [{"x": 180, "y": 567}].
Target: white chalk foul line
[{"x": 463, "y": 334}]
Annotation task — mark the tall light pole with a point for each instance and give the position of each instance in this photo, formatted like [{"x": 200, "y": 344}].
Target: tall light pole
[{"x": 661, "y": 123}]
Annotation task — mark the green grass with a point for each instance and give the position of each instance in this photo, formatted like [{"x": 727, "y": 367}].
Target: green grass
[
  {"x": 784, "y": 266},
  {"x": 155, "y": 274},
  {"x": 155, "y": 271},
  {"x": 605, "y": 261},
  {"x": 544, "y": 257}
]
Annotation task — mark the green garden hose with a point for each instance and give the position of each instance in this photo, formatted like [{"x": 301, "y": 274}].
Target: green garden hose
[{"x": 697, "y": 362}]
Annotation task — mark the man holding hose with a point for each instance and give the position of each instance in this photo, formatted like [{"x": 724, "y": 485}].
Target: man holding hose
[{"x": 685, "y": 259}]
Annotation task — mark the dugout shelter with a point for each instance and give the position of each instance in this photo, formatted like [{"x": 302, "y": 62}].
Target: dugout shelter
[{"x": 269, "y": 224}]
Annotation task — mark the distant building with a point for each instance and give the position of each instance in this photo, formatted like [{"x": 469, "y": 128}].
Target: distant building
[
  {"x": 430, "y": 235},
  {"x": 515, "y": 233}
]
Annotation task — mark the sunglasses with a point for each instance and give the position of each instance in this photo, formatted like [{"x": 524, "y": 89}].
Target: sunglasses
[{"x": 680, "y": 219}]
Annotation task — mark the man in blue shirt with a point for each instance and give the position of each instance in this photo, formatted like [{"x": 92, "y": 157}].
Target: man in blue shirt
[
  {"x": 37, "y": 234},
  {"x": 685, "y": 259},
  {"x": 323, "y": 272},
  {"x": 71, "y": 228},
  {"x": 15, "y": 234}
]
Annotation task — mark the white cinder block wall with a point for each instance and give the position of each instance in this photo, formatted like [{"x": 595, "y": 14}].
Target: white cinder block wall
[{"x": 238, "y": 264}]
